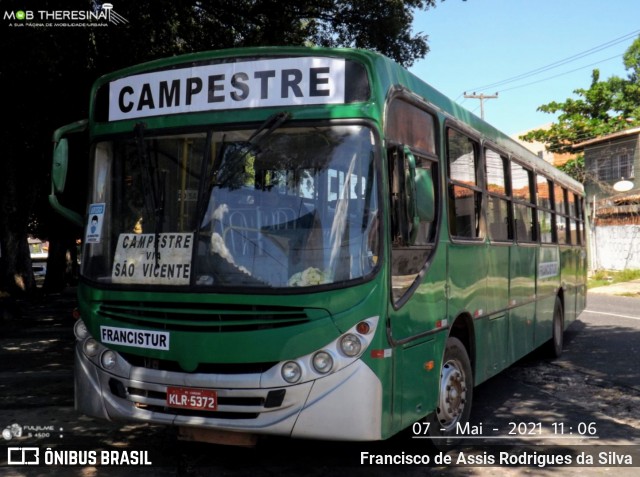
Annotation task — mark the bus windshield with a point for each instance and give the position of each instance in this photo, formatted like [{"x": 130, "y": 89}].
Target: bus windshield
[{"x": 285, "y": 207}]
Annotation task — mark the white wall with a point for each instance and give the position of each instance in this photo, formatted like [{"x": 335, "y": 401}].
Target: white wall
[{"x": 615, "y": 247}]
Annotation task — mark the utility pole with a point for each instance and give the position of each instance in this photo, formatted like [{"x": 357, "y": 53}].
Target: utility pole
[{"x": 481, "y": 97}]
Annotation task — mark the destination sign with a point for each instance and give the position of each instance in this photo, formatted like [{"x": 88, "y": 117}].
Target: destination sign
[
  {"x": 248, "y": 84},
  {"x": 140, "y": 260}
]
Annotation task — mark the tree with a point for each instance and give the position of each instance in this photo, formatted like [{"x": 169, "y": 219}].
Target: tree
[
  {"x": 605, "y": 107},
  {"x": 575, "y": 168},
  {"x": 48, "y": 72}
]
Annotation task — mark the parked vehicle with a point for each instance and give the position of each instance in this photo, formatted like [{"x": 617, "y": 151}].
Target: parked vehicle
[{"x": 39, "y": 251}]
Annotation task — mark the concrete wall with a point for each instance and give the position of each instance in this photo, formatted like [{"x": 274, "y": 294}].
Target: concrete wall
[{"x": 615, "y": 247}]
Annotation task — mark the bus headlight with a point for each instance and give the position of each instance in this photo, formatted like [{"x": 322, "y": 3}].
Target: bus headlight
[
  {"x": 91, "y": 347},
  {"x": 108, "y": 359},
  {"x": 350, "y": 345},
  {"x": 291, "y": 372},
  {"x": 322, "y": 362},
  {"x": 80, "y": 330},
  {"x": 326, "y": 359}
]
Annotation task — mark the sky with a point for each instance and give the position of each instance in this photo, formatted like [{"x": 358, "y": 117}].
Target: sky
[{"x": 481, "y": 43}]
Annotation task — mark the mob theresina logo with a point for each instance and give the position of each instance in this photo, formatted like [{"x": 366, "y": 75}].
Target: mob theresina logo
[{"x": 99, "y": 14}]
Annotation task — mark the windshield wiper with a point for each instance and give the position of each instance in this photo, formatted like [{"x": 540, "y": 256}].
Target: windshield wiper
[{"x": 272, "y": 123}]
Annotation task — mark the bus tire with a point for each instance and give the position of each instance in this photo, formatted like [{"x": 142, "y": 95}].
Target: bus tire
[
  {"x": 455, "y": 395},
  {"x": 553, "y": 347}
]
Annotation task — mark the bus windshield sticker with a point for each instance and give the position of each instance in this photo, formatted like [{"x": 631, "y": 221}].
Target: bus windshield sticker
[
  {"x": 94, "y": 225},
  {"x": 249, "y": 84},
  {"x": 139, "y": 261}
]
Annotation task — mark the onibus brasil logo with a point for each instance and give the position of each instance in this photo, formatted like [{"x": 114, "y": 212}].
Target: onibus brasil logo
[{"x": 100, "y": 13}]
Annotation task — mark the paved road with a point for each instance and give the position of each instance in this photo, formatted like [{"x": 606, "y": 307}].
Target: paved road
[{"x": 591, "y": 396}]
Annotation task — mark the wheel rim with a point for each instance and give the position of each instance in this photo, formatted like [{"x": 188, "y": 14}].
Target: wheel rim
[{"x": 453, "y": 394}]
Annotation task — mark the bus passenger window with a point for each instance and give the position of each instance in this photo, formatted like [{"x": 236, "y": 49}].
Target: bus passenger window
[
  {"x": 498, "y": 207},
  {"x": 465, "y": 198},
  {"x": 525, "y": 231},
  {"x": 524, "y": 211},
  {"x": 498, "y": 219},
  {"x": 562, "y": 212},
  {"x": 546, "y": 221},
  {"x": 546, "y": 217}
]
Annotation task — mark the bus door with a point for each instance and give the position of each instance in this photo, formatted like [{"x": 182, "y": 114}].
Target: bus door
[
  {"x": 417, "y": 267},
  {"x": 418, "y": 285}
]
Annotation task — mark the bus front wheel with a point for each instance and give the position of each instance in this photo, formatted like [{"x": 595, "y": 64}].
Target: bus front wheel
[{"x": 455, "y": 394}]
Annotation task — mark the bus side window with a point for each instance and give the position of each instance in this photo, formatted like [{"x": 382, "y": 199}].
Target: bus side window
[
  {"x": 546, "y": 216},
  {"x": 411, "y": 131},
  {"x": 465, "y": 197},
  {"x": 522, "y": 195},
  {"x": 562, "y": 215},
  {"x": 498, "y": 206}
]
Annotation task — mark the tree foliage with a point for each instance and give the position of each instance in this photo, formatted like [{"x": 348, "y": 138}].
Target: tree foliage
[
  {"x": 162, "y": 27},
  {"x": 47, "y": 72},
  {"x": 575, "y": 168},
  {"x": 607, "y": 106}
]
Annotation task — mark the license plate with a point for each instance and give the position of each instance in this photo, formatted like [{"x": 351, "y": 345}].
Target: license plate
[{"x": 192, "y": 398}]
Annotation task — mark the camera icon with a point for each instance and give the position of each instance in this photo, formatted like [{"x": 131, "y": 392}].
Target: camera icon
[{"x": 9, "y": 432}]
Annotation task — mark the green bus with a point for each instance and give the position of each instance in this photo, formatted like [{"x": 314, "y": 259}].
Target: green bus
[{"x": 308, "y": 242}]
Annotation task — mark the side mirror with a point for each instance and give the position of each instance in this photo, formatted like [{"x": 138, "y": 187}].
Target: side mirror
[
  {"x": 59, "y": 167},
  {"x": 420, "y": 195},
  {"x": 411, "y": 194},
  {"x": 425, "y": 196}
]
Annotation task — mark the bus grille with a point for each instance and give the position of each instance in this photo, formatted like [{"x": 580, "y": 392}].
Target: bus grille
[
  {"x": 208, "y": 368},
  {"x": 205, "y": 317},
  {"x": 230, "y": 407}
]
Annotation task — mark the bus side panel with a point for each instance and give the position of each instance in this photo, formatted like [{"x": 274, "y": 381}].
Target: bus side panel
[
  {"x": 496, "y": 336},
  {"x": 547, "y": 287},
  {"x": 569, "y": 278},
  {"x": 493, "y": 332},
  {"x": 419, "y": 381},
  {"x": 467, "y": 280},
  {"x": 498, "y": 278},
  {"x": 468, "y": 292},
  {"x": 522, "y": 292},
  {"x": 581, "y": 299}
]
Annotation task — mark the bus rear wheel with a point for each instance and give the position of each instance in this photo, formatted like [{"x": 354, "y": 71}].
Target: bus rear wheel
[
  {"x": 553, "y": 347},
  {"x": 455, "y": 394}
]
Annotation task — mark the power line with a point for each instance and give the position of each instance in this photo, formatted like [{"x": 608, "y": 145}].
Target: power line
[
  {"x": 559, "y": 63},
  {"x": 559, "y": 74}
]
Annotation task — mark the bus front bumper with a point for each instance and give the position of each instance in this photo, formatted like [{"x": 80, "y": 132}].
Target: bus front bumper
[{"x": 345, "y": 405}]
